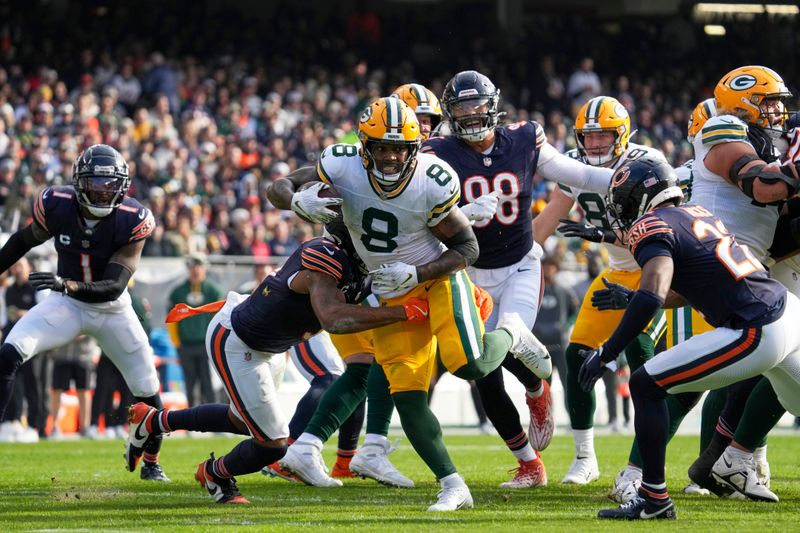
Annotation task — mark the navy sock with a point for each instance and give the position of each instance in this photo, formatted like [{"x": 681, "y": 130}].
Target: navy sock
[
  {"x": 308, "y": 404},
  {"x": 522, "y": 373},
  {"x": 351, "y": 429},
  {"x": 652, "y": 425},
  {"x": 247, "y": 457},
  {"x": 499, "y": 407},
  {"x": 210, "y": 417}
]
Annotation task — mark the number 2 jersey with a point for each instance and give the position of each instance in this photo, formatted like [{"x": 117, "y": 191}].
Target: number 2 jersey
[
  {"x": 84, "y": 251},
  {"x": 394, "y": 225},
  {"x": 274, "y": 317},
  {"x": 595, "y": 210},
  {"x": 509, "y": 167},
  {"x": 719, "y": 278}
]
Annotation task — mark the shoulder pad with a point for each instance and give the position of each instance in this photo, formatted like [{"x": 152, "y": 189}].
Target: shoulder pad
[
  {"x": 145, "y": 226},
  {"x": 444, "y": 188},
  {"x": 334, "y": 159},
  {"x": 722, "y": 129},
  {"x": 647, "y": 226},
  {"x": 323, "y": 256}
]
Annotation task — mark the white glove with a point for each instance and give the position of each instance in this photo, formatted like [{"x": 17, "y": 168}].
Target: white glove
[
  {"x": 393, "y": 277},
  {"x": 483, "y": 208},
  {"x": 311, "y": 207}
]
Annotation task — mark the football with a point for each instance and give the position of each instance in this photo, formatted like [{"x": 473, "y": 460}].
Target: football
[{"x": 325, "y": 192}]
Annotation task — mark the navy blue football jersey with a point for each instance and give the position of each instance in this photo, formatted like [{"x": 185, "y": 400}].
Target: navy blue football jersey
[
  {"x": 274, "y": 317},
  {"x": 83, "y": 252},
  {"x": 719, "y": 277},
  {"x": 509, "y": 167}
]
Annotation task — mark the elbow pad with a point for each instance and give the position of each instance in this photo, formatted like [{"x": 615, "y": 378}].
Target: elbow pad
[
  {"x": 465, "y": 243},
  {"x": 749, "y": 167}
]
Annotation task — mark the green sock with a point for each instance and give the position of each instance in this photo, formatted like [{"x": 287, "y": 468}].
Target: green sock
[
  {"x": 339, "y": 401},
  {"x": 423, "y": 431},
  {"x": 379, "y": 401},
  {"x": 580, "y": 404},
  {"x": 712, "y": 408},
  {"x": 496, "y": 345},
  {"x": 761, "y": 412}
]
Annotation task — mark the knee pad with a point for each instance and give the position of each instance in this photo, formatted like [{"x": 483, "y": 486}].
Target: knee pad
[
  {"x": 10, "y": 360},
  {"x": 643, "y": 385}
]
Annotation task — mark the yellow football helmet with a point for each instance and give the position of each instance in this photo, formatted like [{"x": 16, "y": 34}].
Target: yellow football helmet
[
  {"x": 422, "y": 101},
  {"x": 603, "y": 113},
  {"x": 741, "y": 92},
  {"x": 700, "y": 114},
  {"x": 388, "y": 121}
]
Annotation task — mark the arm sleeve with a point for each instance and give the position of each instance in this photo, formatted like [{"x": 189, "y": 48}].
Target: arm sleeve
[
  {"x": 115, "y": 279},
  {"x": 566, "y": 171}
]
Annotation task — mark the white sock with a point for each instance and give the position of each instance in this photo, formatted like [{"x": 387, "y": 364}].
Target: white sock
[
  {"x": 526, "y": 453},
  {"x": 584, "y": 442},
  {"x": 631, "y": 469},
  {"x": 736, "y": 452},
  {"x": 453, "y": 480},
  {"x": 760, "y": 454},
  {"x": 307, "y": 439},
  {"x": 374, "y": 438}
]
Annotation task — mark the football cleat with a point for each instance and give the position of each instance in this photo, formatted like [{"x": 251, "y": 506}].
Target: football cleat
[
  {"x": 306, "y": 463},
  {"x": 542, "y": 424},
  {"x": 700, "y": 470},
  {"x": 739, "y": 473},
  {"x": 140, "y": 417},
  {"x": 526, "y": 347},
  {"x": 763, "y": 472},
  {"x": 275, "y": 470},
  {"x": 153, "y": 472},
  {"x": 372, "y": 461},
  {"x": 695, "y": 490},
  {"x": 626, "y": 485},
  {"x": 584, "y": 470},
  {"x": 641, "y": 509},
  {"x": 527, "y": 475},
  {"x": 452, "y": 499},
  {"x": 222, "y": 490}
]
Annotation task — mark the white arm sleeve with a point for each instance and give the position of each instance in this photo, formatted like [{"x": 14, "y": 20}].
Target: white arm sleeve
[{"x": 563, "y": 169}]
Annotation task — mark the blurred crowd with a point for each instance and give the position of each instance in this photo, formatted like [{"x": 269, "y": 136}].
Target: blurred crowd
[{"x": 205, "y": 129}]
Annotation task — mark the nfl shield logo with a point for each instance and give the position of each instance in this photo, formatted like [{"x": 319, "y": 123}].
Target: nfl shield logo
[
  {"x": 487, "y": 161},
  {"x": 85, "y": 244},
  {"x": 248, "y": 356}
]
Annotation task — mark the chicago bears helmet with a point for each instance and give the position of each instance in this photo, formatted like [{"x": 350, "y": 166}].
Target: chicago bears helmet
[
  {"x": 470, "y": 102},
  {"x": 638, "y": 186},
  {"x": 100, "y": 178},
  {"x": 388, "y": 121}
]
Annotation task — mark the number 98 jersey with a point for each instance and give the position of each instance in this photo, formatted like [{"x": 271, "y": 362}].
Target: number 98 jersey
[
  {"x": 509, "y": 167},
  {"x": 388, "y": 226}
]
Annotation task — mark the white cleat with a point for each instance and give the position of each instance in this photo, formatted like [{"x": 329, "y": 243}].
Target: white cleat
[
  {"x": 584, "y": 470},
  {"x": 526, "y": 347},
  {"x": 306, "y": 463},
  {"x": 371, "y": 461},
  {"x": 626, "y": 485},
  {"x": 763, "y": 473},
  {"x": 739, "y": 473},
  {"x": 696, "y": 490},
  {"x": 452, "y": 499}
]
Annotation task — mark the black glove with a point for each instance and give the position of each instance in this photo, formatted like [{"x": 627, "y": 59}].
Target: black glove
[
  {"x": 585, "y": 231},
  {"x": 48, "y": 280},
  {"x": 615, "y": 296},
  {"x": 592, "y": 368}
]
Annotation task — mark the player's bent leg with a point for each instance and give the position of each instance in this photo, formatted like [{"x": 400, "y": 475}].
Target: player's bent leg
[
  {"x": 249, "y": 456},
  {"x": 761, "y": 413},
  {"x": 580, "y": 406},
  {"x": 10, "y": 361}
]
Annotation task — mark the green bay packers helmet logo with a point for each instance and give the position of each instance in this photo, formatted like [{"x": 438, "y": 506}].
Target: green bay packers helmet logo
[
  {"x": 743, "y": 82},
  {"x": 367, "y": 114}
]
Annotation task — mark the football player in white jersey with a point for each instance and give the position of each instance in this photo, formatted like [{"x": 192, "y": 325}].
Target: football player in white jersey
[
  {"x": 602, "y": 132},
  {"x": 401, "y": 210}
]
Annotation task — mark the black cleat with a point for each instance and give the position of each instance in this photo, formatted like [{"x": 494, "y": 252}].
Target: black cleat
[
  {"x": 700, "y": 471},
  {"x": 153, "y": 472},
  {"x": 641, "y": 509},
  {"x": 222, "y": 490}
]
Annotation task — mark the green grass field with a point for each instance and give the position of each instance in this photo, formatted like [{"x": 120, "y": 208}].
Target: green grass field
[{"x": 81, "y": 486}]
